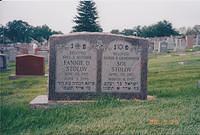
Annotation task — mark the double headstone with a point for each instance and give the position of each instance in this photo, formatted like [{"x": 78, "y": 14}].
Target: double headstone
[{"x": 86, "y": 65}]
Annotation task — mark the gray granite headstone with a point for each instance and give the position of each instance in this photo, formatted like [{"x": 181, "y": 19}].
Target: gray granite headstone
[
  {"x": 163, "y": 47},
  {"x": 44, "y": 53},
  {"x": 87, "y": 65},
  {"x": 3, "y": 62},
  {"x": 12, "y": 54}
]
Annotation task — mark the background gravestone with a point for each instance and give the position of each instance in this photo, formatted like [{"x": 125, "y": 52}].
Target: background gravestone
[
  {"x": 163, "y": 47},
  {"x": 44, "y": 53},
  {"x": 12, "y": 54},
  {"x": 30, "y": 65},
  {"x": 86, "y": 65},
  {"x": 3, "y": 62}
]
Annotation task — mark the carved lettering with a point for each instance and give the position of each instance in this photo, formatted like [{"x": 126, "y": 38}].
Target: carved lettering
[
  {"x": 75, "y": 67},
  {"x": 120, "y": 71}
]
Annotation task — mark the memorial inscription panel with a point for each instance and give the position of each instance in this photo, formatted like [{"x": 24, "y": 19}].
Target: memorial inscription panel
[
  {"x": 76, "y": 67},
  {"x": 121, "y": 69}
]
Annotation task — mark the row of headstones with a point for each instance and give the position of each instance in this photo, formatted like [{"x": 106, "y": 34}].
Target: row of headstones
[
  {"x": 15, "y": 54},
  {"x": 12, "y": 51},
  {"x": 173, "y": 44},
  {"x": 163, "y": 47}
]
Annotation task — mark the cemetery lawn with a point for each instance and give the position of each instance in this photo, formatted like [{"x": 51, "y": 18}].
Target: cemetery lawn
[{"x": 175, "y": 110}]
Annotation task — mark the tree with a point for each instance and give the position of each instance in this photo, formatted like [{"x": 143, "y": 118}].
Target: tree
[
  {"x": 160, "y": 29},
  {"x": 42, "y": 33},
  {"x": 115, "y": 31},
  {"x": 18, "y": 31},
  {"x": 86, "y": 20},
  {"x": 2, "y": 31},
  {"x": 127, "y": 32},
  {"x": 193, "y": 31},
  {"x": 4, "y": 35},
  {"x": 197, "y": 29},
  {"x": 182, "y": 30}
]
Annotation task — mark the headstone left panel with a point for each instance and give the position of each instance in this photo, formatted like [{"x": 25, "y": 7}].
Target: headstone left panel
[{"x": 76, "y": 67}]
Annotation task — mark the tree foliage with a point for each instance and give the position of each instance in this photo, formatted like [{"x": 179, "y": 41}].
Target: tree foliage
[
  {"x": 115, "y": 31},
  {"x": 20, "y": 31},
  {"x": 86, "y": 19},
  {"x": 128, "y": 32},
  {"x": 160, "y": 29},
  {"x": 194, "y": 30},
  {"x": 42, "y": 33}
]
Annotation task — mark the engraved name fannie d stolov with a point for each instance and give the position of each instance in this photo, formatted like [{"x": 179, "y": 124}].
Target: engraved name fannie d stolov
[{"x": 86, "y": 65}]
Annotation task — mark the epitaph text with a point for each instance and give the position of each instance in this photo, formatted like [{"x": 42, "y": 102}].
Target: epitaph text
[
  {"x": 121, "y": 70},
  {"x": 76, "y": 67}
]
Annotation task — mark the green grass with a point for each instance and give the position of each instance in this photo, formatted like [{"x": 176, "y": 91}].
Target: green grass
[{"x": 176, "y": 109}]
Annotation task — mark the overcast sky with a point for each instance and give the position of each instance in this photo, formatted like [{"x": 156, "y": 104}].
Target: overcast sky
[{"x": 114, "y": 14}]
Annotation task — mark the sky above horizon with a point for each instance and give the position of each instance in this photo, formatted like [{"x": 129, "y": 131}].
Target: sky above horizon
[{"x": 114, "y": 14}]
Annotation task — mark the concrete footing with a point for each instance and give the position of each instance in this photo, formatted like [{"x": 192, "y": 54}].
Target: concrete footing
[
  {"x": 42, "y": 101},
  {"x": 14, "y": 77}
]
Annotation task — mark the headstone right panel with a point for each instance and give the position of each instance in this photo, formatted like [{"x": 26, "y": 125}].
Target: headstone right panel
[{"x": 121, "y": 68}]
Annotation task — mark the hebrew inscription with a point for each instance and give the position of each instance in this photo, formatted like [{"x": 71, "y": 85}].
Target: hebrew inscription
[
  {"x": 76, "y": 64},
  {"x": 121, "y": 69}
]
